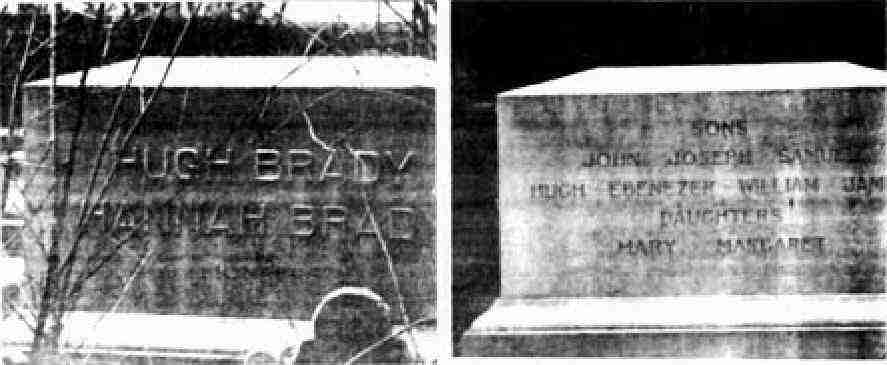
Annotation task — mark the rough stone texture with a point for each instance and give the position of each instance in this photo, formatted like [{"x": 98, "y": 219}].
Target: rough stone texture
[
  {"x": 599, "y": 257},
  {"x": 802, "y": 344},
  {"x": 239, "y": 272}
]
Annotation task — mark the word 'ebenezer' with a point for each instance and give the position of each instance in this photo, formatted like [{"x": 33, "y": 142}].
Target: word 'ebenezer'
[{"x": 265, "y": 164}]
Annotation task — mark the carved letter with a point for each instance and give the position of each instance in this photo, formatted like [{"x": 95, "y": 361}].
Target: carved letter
[
  {"x": 300, "y": 161},
  {"x": 183, "y": 169},
  {"x": 333, "y": 215},
  {"x": 267, "y": 164},
  {"x": 366, "y": 166},
  {"x": 302, "y": 220}
]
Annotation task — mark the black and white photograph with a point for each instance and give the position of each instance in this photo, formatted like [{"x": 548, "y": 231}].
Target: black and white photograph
[
  {"x": 218, "y": 182},
  {"x": 668, "y": 179},
  {"x": 442, "y": 181}
]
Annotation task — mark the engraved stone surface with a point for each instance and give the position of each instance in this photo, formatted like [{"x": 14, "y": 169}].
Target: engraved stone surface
[
  {"x": 633, "y": 191},
  {"x": 634, "y": 200},
  {"x": 246, "y": 207}
]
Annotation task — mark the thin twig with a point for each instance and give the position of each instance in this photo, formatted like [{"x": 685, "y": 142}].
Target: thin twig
[
  {"x": 35, "y": 69},
  {"x": 20, "y": 316},
  {"x": 413, "y": 99},
  {"x": 298, "y": 110},
  {"x": 399, "y": 15},
  {"x": 149, "y": 254},
  {"x": 99, "y": 262},
  {"x": 110, "y": 29},
  {"x": 380, "y": 342},
  {"x": 50, "y": 39},
  {"x": 313, "y": 135},
  {"x": 73, "y": 148},
  {"x": 125, "y": 142},
  {"x": 88, "y": 272},
  {"x": 323, "y": 97},
  {"x": 109, "y": 125},
  {"x": 52, "y": 259},
  {"x": 16, "y": 84},
  {"x": 384, "y": 245},
  {"x": 135, "y": 124},
  {"x": 28, "y": 226}
]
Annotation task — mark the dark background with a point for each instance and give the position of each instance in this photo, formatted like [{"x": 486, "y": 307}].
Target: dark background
[{"x": 498, "y": 46}]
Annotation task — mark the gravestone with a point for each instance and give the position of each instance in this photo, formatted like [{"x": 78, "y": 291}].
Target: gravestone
[
  {"x": 250, "y": 186},
  {"x": 732, "y": 210}
]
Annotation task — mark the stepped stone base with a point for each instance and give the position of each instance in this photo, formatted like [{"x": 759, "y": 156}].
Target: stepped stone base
[{"x": 799, "y": 326}]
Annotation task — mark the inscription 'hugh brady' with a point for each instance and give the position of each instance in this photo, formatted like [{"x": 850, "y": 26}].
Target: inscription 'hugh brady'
[{"x": 266, "y": 164}]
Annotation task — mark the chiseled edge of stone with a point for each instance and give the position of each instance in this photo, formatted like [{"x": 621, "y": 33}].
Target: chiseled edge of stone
[
  {"x": 284, "y": 72},
  {"x": 691, "y": 314}
]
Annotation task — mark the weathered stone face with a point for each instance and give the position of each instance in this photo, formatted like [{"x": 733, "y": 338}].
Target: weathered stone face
[
  {"x": 252, "y": 216},
  {"x": 753, "y": 192}
]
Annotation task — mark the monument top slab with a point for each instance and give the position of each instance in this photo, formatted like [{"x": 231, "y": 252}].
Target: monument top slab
[
  {"x": 260, "y": 72},
  {"x": 707, "y": 78}
]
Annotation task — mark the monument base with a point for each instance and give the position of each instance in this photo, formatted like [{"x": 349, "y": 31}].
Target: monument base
[{"x": 742, "y": 326}]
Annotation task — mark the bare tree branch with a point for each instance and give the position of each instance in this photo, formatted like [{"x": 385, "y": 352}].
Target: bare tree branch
[
  {"x": 35, "y": 69},
  {"x": 109, "y": 125},
  {"x": 313, "y": 135},
  {"x": 399, "y": 15},
  {"x": 135, "y": 124},
  {"x": 407, "y": 327},
  {"x": 98, "y": 261},
  {"x": 412, "y": 99},
  {"x": 51, "y": 281},
  {"x": 89, "y": 208},
  {"x": 10, "y": 306},
  {"x": 384, "y": 246},
  {"x": 68, "y": 175},
  {"x": 143, "y": 261},
  {"x": 122, "y": 145},
  {"x": 29, "y": 227},
  {"x": 21, "y": 69}
]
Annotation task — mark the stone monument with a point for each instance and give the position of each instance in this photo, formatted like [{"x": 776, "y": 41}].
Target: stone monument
[
  {"x": 692, "y": 211},
  {"x": 239, "y": 188}
]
